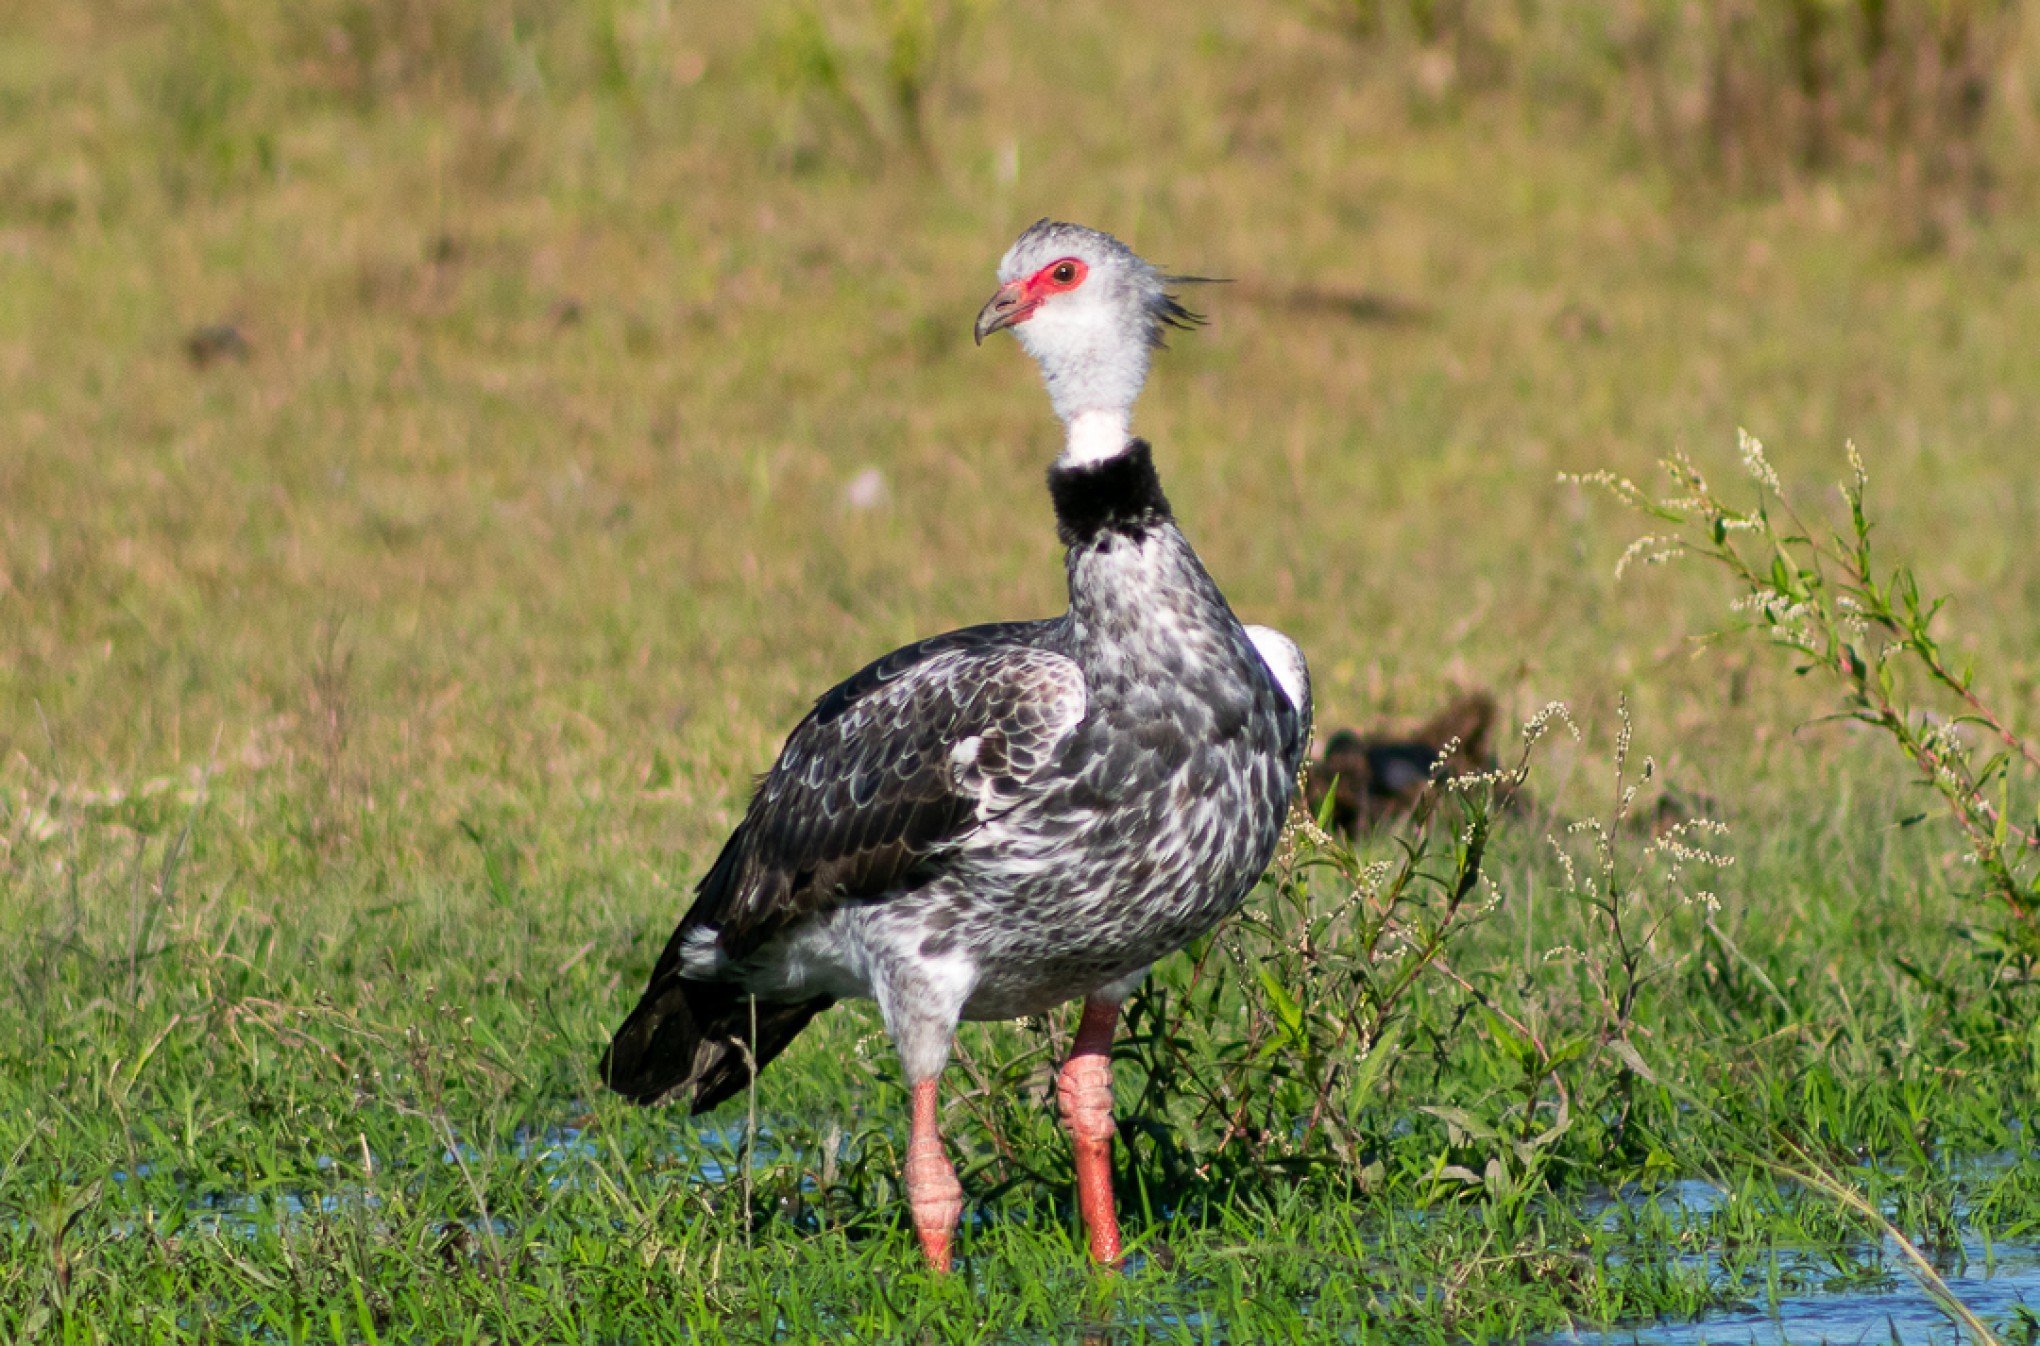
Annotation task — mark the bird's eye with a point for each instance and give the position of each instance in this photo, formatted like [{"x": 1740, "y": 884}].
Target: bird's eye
[{"x": 1064, "y": 273}]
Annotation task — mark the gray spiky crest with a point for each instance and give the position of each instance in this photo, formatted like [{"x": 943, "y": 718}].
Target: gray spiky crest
[{"x": 1093, "y": 343}]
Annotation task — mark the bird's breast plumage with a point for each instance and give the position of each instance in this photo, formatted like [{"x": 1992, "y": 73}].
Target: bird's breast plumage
[
  {"x": 1157, "y": 813},
  {"x": 1114, "y": 788}
]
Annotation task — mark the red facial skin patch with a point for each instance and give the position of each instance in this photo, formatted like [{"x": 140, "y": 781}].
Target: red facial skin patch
[{"x": 1055, "y": 278}]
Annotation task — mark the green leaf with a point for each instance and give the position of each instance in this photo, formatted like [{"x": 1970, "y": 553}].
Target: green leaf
[
  {"x": 1286, "y": 1009},
  {"x": 1625, "y": 1051},
  {"x": 1462, "y": 1125}
]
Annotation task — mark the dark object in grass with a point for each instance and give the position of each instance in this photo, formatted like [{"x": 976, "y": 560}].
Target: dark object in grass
[
  {"x": 214, "y": 342},
  {"x": 1377, "y": 777},
  {"x": 994, "y": 822}
]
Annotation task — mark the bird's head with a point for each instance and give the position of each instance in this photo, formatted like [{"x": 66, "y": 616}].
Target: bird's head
[{"x": 1090, "y": 312}]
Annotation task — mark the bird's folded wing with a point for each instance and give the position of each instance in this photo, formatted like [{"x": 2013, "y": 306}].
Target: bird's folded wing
[{"x": 892, "y": 769}]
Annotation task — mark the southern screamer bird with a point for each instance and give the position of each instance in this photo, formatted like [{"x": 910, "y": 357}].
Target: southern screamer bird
[{"x": 989, "y": 823}]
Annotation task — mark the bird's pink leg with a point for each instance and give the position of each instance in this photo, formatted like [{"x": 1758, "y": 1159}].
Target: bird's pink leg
[
  {"x": 1085, "y": 1091},
  {"x": 933, "y": 1193}
]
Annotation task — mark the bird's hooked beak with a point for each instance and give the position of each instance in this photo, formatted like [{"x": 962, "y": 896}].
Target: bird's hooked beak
[{"x": 1009, "y": 306}]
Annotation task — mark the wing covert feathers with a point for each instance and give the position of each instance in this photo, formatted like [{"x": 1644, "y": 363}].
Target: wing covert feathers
[
  {"x": 885, "y": 777},
  {"x": 874, "y": 790}
]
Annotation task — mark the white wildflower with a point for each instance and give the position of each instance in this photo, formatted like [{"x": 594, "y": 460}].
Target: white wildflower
[
  {"x": 1541, "y": 721},
  {"x": 1754, "y": 462}
]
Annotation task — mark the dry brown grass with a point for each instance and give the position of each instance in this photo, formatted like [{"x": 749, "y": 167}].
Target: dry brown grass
[{"x": 558, "y": 370}]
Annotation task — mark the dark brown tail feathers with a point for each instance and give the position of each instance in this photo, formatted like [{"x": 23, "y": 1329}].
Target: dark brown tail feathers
[{"x": 698, "y": 1038}]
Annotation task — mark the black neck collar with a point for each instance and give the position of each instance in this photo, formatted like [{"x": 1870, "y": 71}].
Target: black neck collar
[{"x": 1121, "y": 494}]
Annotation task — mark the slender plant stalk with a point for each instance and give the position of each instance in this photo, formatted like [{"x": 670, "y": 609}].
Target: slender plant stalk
[{"x": 1824, "y": 594}]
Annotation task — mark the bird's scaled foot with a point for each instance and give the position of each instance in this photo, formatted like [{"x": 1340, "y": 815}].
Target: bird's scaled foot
[
  {"x": 1084, "y": 1089},
  {"x": 933, "y": 1193}
]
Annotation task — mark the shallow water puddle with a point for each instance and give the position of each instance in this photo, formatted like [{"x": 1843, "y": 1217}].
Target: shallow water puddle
[
  {"x": 1855, "y": 1293},
  {"x": 1996, "y": 1289},
  {"x": 1821, "y": 1303}
]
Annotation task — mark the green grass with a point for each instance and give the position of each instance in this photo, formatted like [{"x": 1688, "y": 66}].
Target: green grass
[{"x": 368, "y": 707}]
